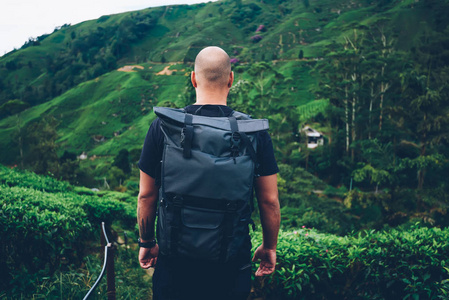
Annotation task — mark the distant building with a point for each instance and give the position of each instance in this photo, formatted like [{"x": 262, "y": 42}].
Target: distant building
[
  {"x": 83, "y": 156},
  {"x": 314, "y": 137}
]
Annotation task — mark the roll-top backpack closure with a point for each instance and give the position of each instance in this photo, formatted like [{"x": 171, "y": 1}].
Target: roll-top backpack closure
[{"x": 245, "y": 124}]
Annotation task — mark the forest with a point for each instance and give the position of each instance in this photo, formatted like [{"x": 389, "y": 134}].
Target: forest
[{"x": 364, "y": 206}]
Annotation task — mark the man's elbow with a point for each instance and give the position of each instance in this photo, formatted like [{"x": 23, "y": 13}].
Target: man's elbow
[
  {"x": 270, "y": 202},
  {"x": 147, "y": 196}
]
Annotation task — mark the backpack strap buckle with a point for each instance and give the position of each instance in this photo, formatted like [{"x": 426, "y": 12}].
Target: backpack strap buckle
[
  {"x": 183, "y": 136},
  {"x": 231, "y": 206},
  {"x": 177, "y": 201},
  {"x": 235, "y": 138}
]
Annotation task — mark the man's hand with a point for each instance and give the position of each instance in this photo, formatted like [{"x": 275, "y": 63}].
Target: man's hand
[
  {"x": 267, "y": 259},
  {"x": 270, "y": 218},
  {"x": 148, "y": 256}
]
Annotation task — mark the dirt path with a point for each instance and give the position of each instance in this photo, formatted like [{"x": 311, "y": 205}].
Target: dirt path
[
  {"x": 130, "y": 68},
  {"x": 166, "y": 70}
]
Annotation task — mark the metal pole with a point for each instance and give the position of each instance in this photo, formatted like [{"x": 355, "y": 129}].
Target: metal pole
[
  {"x": 110, "y": 273},
  {"x": 99, "y": 277},
  {"x": 108, "y": 262},
  {"x": 103, "y": 236}
]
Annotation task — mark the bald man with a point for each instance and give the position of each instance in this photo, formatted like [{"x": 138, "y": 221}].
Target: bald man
[{"x": 177, "y": 278}]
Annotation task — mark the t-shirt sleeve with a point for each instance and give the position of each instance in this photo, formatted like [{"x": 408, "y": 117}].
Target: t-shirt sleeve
[
  {"x": 265, "y": 155},
  {"x": 151, "y": 155}
]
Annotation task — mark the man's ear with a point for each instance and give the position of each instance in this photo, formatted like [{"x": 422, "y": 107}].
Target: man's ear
[
  {"x": 193, "y": 79},
  {"x": 231, "y": 79}
]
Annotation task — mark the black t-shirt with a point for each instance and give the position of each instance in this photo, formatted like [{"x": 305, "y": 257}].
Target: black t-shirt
[{"x": 154, "y": 143}]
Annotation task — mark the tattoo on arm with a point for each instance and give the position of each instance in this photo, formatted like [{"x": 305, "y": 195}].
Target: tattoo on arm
[{"x": 145, "y": 230}]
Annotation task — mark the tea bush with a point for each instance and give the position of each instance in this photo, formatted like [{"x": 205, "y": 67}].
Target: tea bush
[
  {"x": 15, "y": 177},
  {"x": 39, "y": 231},
  {"x": 395, "y": 264},
  {"x": 46, "y": 224}
]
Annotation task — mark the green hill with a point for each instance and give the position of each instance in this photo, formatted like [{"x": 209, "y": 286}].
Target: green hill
[
  {"x": 63, "y": 70},
  {"x": 357, "y": 71}
]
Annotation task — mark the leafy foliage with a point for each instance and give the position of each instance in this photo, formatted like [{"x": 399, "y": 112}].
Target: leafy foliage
[
  {"x": 400, "y": 263},
  {"x": 74, "y": 282},
  {"x": 15, "y": 177},
  {"x": 311, "y": 109},
  {"x": 46, "y": 226}
]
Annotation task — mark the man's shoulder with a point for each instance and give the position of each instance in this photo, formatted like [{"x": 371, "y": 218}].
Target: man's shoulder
[{"x": 155, "y": 125}]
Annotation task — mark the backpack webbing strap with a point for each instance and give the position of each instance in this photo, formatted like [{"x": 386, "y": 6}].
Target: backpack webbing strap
[
  {"x": 231, "y": 209},
  {"x": 187, "y": 136},
  {"x": 234, "y": 124},
  {"x": 249, "y": 146},
  {"x": 206, "y": 203},
  {"x": 176, "y": 224},
  {"x": 236, "y": 137}
]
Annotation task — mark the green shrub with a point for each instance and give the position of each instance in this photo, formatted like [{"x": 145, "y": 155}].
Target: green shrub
[
  {"x": 39, "y": 232},
  {"x": 47, "y": 226},
  {"x": 131, "y": 281},
  {"x": 398, "y": 264},
  {"x": 15, "y": 177},
  {"x": 109, "y": 210}
]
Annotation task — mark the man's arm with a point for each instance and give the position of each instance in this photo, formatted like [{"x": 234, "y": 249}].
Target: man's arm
[
  {"x": 270, "y": 217},
  {"x": 146, "y": 216}
]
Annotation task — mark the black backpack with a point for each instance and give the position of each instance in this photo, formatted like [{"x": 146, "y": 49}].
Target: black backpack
[{"x": 207, "y": 175}]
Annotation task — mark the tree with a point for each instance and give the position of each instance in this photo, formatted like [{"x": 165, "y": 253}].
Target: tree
[
  {"x": 188, "y": 96},
  {"x": 122, "y": 161},
  {"x": 69, "y": 167},
  {"x": 115, "y": 177},
  {"x": 42, "y": 148},
  {"x": 378, "y": 168},
  {"x": 423, "y": 113},
  {"x": 342, "y": 76},
  {"x": 261, "y": 96},
  {"x": 12, "y": 107}
]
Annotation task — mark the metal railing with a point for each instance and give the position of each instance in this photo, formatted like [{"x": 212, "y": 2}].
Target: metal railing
[{"x": 108, "y": 266}]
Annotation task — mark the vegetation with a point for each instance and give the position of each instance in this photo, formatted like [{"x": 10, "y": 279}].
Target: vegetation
[
  {"x": 371, "y": 76},
  {"x": 63, "y": 228},
  {"x": 400, "y": 263},
  {"x": 48, "y": 226}
]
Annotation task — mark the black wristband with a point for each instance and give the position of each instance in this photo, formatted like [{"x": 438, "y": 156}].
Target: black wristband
[{"x": 149, "y": 244}]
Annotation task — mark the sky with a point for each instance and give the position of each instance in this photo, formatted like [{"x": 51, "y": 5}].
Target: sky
[{"x": 22, "y": 19}]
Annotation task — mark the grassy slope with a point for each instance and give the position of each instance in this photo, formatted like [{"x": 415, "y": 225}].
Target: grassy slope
[{"x": 117, "y": 105}]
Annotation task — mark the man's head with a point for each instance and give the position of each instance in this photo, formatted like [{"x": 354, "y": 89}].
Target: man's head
[{"x": 212, "y": 69}]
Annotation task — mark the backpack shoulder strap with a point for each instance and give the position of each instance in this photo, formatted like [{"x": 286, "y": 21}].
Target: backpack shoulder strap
[{"x": 237, "y": 135}]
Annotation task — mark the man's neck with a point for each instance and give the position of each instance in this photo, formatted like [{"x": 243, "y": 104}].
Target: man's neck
[{"x": 211, "y": 97}]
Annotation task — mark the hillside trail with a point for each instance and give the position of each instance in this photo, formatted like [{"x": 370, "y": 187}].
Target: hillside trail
[
  {"x": 130, "y": 68},
  {"x": 165, "y": 71}
]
